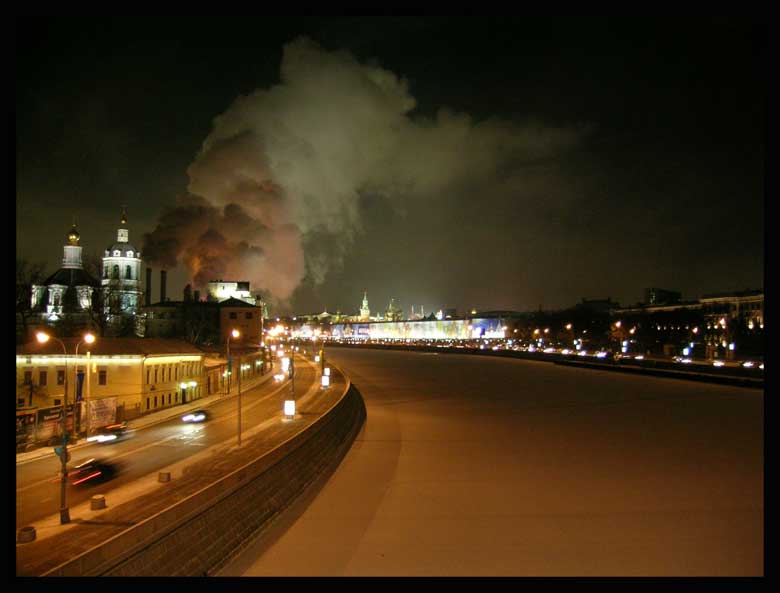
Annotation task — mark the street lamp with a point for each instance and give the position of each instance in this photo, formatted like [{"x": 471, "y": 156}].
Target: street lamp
[
  {"x": 89, "y": 339},
  {"x": 235, "y": 334},
  {"x": 42, "y": 338}
]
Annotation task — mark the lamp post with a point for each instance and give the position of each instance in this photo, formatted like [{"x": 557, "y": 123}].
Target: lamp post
[
  {"x": 235, "y": 334},
  {"x": 42, "y": 338},
  {"x": 89, "y": 339}
]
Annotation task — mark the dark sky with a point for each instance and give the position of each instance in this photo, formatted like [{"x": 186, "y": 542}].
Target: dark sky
[{"x": 489, "y": 163}]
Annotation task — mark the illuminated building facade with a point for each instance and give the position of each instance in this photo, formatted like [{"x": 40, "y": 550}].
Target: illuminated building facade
[
  {"x": 69, "y": 290},
  {"x": 129, "y": 376},
  {"x": 121, "y": 279},
  {"x": 221, "y": 290}
]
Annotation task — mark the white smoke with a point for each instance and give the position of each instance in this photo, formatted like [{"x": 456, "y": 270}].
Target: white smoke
[{"x": 296, "y": 158}]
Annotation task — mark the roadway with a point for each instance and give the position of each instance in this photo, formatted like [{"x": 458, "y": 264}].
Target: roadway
[
  {"x": 148, "y": 450},
  {"x": 490, "y": 466}
]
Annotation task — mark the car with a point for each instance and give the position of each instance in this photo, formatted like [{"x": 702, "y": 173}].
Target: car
[
  {"x": 196, "y": 416},
  {"x": 92, "y": 470},
  {"x": 110, "y": 433}
]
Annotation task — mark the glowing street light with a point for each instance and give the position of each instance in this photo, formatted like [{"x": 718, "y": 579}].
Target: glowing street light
[
  {"x": 235, "y": 334},
  {"x": 42, "y": 338}
]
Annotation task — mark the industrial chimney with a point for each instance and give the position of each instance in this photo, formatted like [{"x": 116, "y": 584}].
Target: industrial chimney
[
  {"x": 163, "y": 275},
  {"x": 148, "y": 295}
]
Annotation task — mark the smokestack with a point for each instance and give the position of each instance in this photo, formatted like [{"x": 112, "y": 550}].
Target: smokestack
[
  {"x": 163, "y": 275},
  {"x": 148, "y": 295}
]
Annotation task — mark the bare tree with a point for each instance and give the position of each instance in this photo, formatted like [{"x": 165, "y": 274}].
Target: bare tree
[{"x": 27, "y": 274}]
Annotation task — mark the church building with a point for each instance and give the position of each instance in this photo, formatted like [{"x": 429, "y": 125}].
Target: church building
[
  {"x": 69, "y": 290},
  {"x": 121, "y": 281}
]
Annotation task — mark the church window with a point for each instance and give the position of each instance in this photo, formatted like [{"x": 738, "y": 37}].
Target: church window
[
  {"x": 117, "y": 253},
  {"x": 56, "y": 299},
  {"x": 129, "y": 254},
  {"x": 128, "y": 273},
  {"x": 105, "y": 271},
  {"x": 115, "y": 272}
]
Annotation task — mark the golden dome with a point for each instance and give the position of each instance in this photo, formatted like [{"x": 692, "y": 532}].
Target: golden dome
[{"x": 73, "y": 236}]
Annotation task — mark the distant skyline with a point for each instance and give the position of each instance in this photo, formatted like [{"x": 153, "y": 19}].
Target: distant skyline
[{"x": 450, "y": 163}]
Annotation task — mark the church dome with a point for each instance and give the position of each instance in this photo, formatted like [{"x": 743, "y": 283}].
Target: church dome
[
  {"x": 125, "y": 250},
  {"x": 73, "y": 236}
]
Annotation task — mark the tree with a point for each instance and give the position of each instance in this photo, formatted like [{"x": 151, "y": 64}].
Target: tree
[{"x": 27, "y": 274}]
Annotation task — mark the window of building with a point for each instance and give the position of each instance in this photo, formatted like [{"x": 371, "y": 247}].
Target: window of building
[
  {"x": 19, "y": 402},
  {"x": 57, "y": 402},
  {"x": 169, "y": 398},
  {"x": 248, "y": 315},
  {"x": 155, "y": 374},
  {"x": 105, "y": 271},
  {"x": 102, "y": 377},
  {"x": 117, "y": 253},
  {"x": 176, "y": 397},
  {"x": 60, "y": 377},
  {"x": 148, "y": 375},
  {"x": 233, "y": 315},
  {"x": 130, "y": 254},
  {"x": 155, "y": 401},
  {"x": 115, "y": 272},
  {"x": 27, "y": 377},
  {"x": 128, "y": 273},
  {"x": 176, "y": 373},
  {"x": 147, "y": 403},
  {"x": 42, "y": 378}
]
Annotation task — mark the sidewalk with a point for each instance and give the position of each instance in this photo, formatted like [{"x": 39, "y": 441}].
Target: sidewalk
[{"x": 153, "y": 417}]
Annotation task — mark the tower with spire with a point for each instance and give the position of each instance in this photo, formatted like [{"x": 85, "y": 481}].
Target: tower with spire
[
  {"x": 121, "y": 278},
  {"x": 365, "y": 312}
]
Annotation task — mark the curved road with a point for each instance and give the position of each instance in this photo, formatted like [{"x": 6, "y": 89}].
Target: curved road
[
  {"x": 473, "y": 465},
  {"x": 151, "y": 449}
]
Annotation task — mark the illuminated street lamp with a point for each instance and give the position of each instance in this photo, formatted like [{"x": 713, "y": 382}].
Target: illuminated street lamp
[
  {"x": 42, "y": 338},
  {"x": 235, "y": 334},
  {"x": 89, "y": 339}
]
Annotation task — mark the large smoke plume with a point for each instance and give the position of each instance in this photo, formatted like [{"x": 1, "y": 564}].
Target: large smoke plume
[{"x": 288, "y": 163}]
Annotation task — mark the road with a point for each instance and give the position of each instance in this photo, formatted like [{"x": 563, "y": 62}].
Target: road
[
  {"x": 485, "y": 466},
  {"x": 150, "y": 449}
]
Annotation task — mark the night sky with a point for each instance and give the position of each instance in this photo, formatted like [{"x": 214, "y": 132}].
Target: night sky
[{"x": 484, "y": 163}]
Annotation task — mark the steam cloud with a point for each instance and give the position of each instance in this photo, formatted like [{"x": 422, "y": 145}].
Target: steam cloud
[{"x": 291, "y": 162}]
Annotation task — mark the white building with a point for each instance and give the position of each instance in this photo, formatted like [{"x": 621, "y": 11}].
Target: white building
[
  {"x": 121, "y": 281},
  {"x": 222, "y": 290},
  {"x": 69, "y": 290}
]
